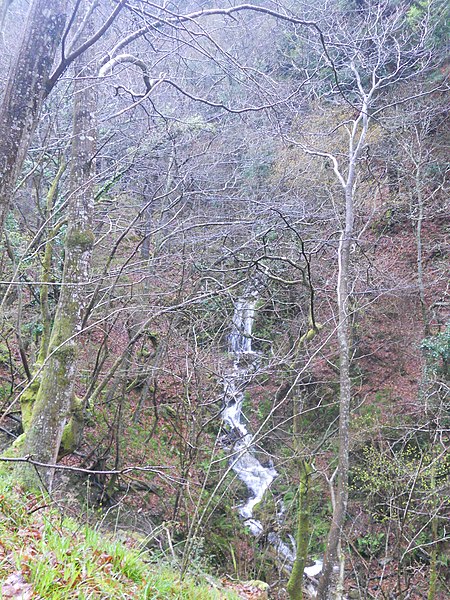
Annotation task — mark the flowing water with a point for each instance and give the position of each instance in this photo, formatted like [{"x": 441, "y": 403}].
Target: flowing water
[
  {"x": 255, "y": 475},
  {"x": 244, "y": 463}
]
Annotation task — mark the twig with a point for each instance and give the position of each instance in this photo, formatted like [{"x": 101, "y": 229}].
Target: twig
[{"x": 147, "y": 469}]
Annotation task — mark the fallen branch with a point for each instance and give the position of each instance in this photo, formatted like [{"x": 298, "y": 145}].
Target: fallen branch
[{"x": 158, "y": 470}]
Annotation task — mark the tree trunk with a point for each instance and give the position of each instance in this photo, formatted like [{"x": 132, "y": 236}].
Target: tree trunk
[
  {"x": 343, "y": 331},
  {"x": 4, "y": 6},
  {"x": 420, "y": 207},
  {"x": 55, "y": 402},
  {"x": 26, "y": 91},
  {"x": 295, "y": 583},
  {"x": 47, "y": 267}
]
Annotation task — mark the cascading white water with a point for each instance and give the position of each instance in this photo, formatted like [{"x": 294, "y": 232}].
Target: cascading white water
[
  {"x": 240, "y": 340},
  {"x": 244, "y": 463}
]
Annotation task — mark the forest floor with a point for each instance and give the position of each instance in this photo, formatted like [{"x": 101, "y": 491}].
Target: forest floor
[{"x": 46, "y": 555}]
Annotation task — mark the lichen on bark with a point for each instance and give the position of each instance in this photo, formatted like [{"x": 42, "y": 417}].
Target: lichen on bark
[
  {"x": 27, "y": 400},
  {"x": 56, "y": 415},
  {"x": 26, "y": 90},
  {"x": 73, "y": 430},
  {"x": 295, "y": 583}
]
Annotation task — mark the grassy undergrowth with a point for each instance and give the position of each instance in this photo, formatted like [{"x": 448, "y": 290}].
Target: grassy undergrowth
[{"x": 46, "y": 555}]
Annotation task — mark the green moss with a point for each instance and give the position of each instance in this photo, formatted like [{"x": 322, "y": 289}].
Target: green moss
[
  {"x": 295, "y": 583},
  {"x": 310, "y": 334},
  {"x": 65, "y": 353},
  {"x": 259, "y": 585},
  {"x": 4, "y": 354},
  {"x": 14, "y": 451},
  {"x": 80, "y": 239},
  {"x": 72, "y": 431},
  {"x": 27, "y": 401}
]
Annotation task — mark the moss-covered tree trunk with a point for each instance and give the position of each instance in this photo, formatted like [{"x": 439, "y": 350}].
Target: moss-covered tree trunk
[
  {"x": 295, "y": 583},
  {"x": 55, "y": 406},
  {"x": 47, "y": 267},
  {"x": 433, "y": 578},
  {"x": 27, "y": 89}
]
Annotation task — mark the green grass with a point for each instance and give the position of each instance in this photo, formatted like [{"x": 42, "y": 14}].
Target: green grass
[{"x": 63, "y": 559}]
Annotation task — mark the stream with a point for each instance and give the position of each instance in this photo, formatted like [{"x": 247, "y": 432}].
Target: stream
[{"x": 256, "y": 476}]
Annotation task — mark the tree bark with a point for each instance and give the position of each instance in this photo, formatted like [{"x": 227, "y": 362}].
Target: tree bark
[
  {"x": 47, "y": 267},
  {"x": 343, "y": 331},
  {"x": 4, "y": 6},
  {"x": 55, "y": 404},
  {"x": 295, "y": 583},
  {"x": 343, "y": 334},
  {"x": 26, "y": 91},
  {"x": 420, "y": 278}
]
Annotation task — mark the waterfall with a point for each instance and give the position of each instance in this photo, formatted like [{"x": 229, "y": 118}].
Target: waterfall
[
  {"x": 244, "y": 463},
  {"x": 240, "y": 341},
  {"x": 256, "y": 476}
]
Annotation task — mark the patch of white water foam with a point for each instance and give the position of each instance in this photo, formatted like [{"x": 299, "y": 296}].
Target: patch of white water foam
[{"x": 256, "y": 476}]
